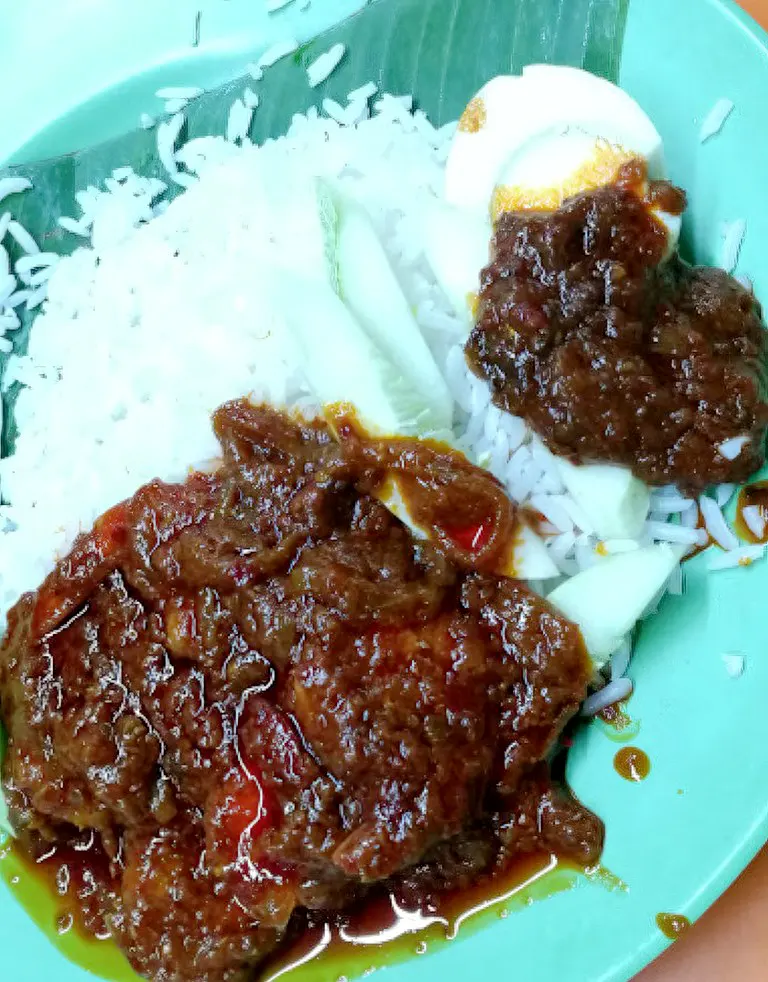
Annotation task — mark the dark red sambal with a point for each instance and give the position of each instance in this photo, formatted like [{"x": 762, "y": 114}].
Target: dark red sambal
[
  {"x": 246, "y": 702},
  {"x": 614, "y": 351}
]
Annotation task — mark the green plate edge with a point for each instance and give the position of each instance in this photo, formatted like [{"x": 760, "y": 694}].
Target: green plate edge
[{"x": 706, "y": 734}]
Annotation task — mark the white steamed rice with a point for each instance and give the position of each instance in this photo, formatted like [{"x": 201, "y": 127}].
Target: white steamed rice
[{"x": 155, "y": 322}]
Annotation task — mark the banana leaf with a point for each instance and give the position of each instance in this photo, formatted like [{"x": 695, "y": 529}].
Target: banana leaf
[{"x": 440, "y": 51}]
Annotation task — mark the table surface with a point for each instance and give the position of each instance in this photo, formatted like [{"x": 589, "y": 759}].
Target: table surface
[{"x": 730, "y": 942}]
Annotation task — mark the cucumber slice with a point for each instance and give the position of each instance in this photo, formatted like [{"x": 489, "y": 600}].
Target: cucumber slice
[
  {"x": 369, "y": 288},
  {"x": 457, "y": 243},
  {"x": 343, "y": 365},
  {"x": 529, "y": 559},
  {"x": 609, "y": 598}
]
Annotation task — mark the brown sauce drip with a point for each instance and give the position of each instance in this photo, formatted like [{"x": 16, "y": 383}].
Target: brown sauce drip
[
  {"x": 378, "y": 933},
  {"x": 672, "y": 926},
  {"x": 618, "y": 725},
  {"x": 59, "y": 917},
  {"x": 753, "y": 495},
  {"x": 632, "y": 764},
  {"x": 384, "y": 930}
]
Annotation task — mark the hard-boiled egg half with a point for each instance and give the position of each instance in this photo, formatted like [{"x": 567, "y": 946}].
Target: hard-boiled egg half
[{"x": 531, "y": 141}]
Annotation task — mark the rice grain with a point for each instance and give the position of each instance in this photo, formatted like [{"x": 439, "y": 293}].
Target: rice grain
[
  {"x": 734, "y": 664},
  {"x": 324, "y": 66},
  {"x": 73, "y": 226},
  {"x": 238, "y": 121},
  {"x": 755, "y": 519},
  {"x": 185, "y": 92},
  {"x": 273, "y": 54},
  {"x": 730, "y": 449},
  {"x": 724, "y": 493},
  {"x": 7, "y": 286},
  {"x": 36, "y": 261},
  {"x": 613, "y": 692},
  {"x": 744, "y": 556},
  {"x": 168, "y": 134},
  {"x": 173, "y": 106},
  {"x": 667, "y": 532}
]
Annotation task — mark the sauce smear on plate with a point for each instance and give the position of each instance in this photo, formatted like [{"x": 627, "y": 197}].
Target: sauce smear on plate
[
  {"x": 672, "y": 926},
  {"x": 632, "y": 764}
]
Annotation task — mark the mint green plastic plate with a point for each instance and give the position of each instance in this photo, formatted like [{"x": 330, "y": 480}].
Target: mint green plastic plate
[{"x": 678, "y": 839}]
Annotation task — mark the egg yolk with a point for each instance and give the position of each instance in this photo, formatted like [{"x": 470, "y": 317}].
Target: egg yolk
[{"x": 600, "y": 169}]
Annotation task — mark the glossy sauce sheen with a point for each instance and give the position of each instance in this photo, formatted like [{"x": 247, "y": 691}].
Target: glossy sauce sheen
[
  {"x": 37, "y": 887},
  {"x": 611, "y": 353},
  {"x": 632, "y": 764},
  {"x": 672, "y": 925},
  {"x": 618, "y": 724},
  {"x": 616, "y": 716},
  {"x": 264, "y": 703}
]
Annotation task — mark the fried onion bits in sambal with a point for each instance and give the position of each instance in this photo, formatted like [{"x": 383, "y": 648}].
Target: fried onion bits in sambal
[
  {"x": 255, "y": 694},
  {"x": 613, "y": 351}
]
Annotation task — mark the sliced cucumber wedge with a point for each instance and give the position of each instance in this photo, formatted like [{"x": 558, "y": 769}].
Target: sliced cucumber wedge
[
  {"x": 609, "y": 598},
  {"x": 369, "y": 288},
  {"x": 359, "y": 345},
  {"x": 344, "y": 366},
  {"x": 457, "y": 243},
  {"x": 529, "y": 559}
]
